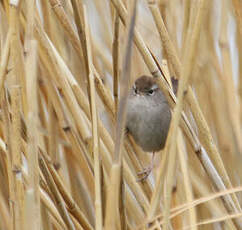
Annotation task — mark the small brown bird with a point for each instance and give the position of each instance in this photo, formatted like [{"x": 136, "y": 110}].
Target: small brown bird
[{"x": 148, "y": 117}]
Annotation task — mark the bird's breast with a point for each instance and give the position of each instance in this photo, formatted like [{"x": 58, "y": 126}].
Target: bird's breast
[{"x": 148, "y": 123}]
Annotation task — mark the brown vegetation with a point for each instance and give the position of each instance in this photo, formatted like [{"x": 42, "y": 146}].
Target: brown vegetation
[{"x": 62, "y": 63}]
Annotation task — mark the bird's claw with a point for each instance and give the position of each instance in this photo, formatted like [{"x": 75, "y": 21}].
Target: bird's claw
[{"x": 144, "y": 174}]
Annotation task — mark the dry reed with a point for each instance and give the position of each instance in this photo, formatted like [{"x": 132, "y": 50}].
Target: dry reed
[{"x": 65, "y": 68}]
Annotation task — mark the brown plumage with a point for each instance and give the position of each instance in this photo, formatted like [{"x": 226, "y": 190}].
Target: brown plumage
[{"x": 148, "y": 115}]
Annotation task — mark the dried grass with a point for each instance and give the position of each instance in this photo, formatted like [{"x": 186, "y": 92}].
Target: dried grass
[{"x": 64, "y": 75}]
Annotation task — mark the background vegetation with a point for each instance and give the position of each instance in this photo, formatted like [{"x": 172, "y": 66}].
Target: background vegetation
[{"x": 62, "y": 66}]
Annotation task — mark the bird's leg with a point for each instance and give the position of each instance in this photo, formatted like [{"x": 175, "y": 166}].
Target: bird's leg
[{"x": 146, "y": 172}]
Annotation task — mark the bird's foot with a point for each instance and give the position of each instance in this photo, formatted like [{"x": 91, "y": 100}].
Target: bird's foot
[{"x": 145, "y": 173}]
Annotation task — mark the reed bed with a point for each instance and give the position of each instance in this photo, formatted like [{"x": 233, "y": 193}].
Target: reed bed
[{"x": 66, "y": 161}]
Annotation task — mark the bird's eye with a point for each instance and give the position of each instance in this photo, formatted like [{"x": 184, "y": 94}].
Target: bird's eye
[{"x": 151, "y": 92}]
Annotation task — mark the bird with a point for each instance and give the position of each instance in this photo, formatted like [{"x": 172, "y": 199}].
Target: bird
[{"x": 148, "y": 117}]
